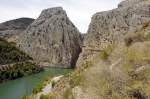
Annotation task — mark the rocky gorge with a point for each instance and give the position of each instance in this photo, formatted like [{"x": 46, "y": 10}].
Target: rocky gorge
[
  {"x": 114, "y": 62},
  {"x": 111, "y": 61}
]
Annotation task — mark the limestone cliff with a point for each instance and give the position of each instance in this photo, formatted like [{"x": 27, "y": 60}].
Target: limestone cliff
[
  {"x": 110, "y": 26},
  {"x": 115, "y": 58},
  {"x": 115, "y": 62},
  {"x": 52, "y": 39}
]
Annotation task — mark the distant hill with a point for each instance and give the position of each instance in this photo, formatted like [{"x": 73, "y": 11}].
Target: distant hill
[{"x": 10, "y": 30}]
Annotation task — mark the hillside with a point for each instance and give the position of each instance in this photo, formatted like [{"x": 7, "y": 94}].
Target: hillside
[
  {"x": 11, "y": 30},
  {"x": 10, "y": 54},
  {"x": 14, "y": 63},
  {"x": 115, "y": 58},
  {"x": 119, "y": 71}
]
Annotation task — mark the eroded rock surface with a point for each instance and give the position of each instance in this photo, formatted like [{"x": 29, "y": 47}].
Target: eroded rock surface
[
  {"x": 52, "y": 39},
  {"x": 110, "y": 26}
]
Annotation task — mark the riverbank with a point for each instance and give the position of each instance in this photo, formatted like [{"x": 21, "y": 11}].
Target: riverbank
[
  {"x": 14, "y": 89},
  {"x": 48, "y": 88},
  {"x": 18, "y": 70}
]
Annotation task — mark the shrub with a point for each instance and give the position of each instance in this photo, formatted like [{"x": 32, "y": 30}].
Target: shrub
[
  {"x": 38, "y": 88},
  {"x": 17, "y": 70},
  {"x": 26, "y": 97},
  {"x": 45, "y": 97},
  {"x": 146, "y": 24},
  {"x": 133, "y": 37},
  {"x": 68, "y": 94},
  {"x": 105, "y": 52},
  {"x": 10, "y": 54},
  {"x": 53, "y": 83},
  {"x": 142, "y": 35},
  {"x": 75, "y": 79}
]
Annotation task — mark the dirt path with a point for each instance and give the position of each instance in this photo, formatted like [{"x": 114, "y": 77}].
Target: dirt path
[{"x": 48, "y": 87}]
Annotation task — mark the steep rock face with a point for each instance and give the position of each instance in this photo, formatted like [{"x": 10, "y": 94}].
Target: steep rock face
[
  {"x": 107, "y": 26},
  {"x": 10, "y": 30},
  {"x": 114, "y": 63},
  {"x": 110, "y": 26},
  {"x": 52, "y": 39},
  {"x": 127, "y": 3}
]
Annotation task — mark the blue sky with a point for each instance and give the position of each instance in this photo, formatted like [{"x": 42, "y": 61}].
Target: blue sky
[{"x": 79, "y": 11}]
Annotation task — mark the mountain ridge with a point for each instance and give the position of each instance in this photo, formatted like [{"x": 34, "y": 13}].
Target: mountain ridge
[
  {"x": 10, "y": 30},
  {"x": 52, "y": 39}
]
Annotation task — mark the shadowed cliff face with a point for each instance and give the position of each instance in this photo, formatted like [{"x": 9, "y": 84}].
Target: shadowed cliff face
[
  {"x": 11, "y": 30},
  {"x": 52, "y": 39}
]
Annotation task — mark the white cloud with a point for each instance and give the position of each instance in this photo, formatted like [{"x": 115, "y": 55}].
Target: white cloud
[{"x": 79, "y": 11}]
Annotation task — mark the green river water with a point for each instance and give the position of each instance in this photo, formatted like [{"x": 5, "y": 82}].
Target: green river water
[{"x": 14, "y": 89}]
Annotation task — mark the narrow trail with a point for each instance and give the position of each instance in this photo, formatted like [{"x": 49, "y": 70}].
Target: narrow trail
[{"x": 48, "y": 87}]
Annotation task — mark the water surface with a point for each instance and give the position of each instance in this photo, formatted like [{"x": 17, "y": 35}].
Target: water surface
[{"x": 14, "y": 89}]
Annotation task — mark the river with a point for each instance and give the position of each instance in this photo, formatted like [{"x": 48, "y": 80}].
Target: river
[{"x": 14, "y": 89}]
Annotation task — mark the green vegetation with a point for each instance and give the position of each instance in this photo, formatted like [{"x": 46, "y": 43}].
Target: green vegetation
[
  {"x": 26, "y": 97},
  {"x": 44, "y": 97},
  {"x": 85, "y": 65},
  {"x": 143, "y": 34},
  {"x": 17, "y": 70},
  {"x": 10, "y": 54},
  {"x": 75, "y": 79},
  {"x": 138, "y": 85},
  {"x": 126, "y": 79},
  {"x": 106, "y": 51},
  {"x": 38, "y": 88},
  {"x": 48, "y": 96},
  {"x": 68, "y": 94},
  {"x": 14, "y": 63}
]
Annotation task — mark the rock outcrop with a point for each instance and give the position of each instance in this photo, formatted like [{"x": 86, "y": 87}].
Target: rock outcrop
[
  {"x": 110, "y": 26},
  {"x": 115, "y": 58},
  {"x": 52, "y": 39},
  {"x": 11, "y": 30}
]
